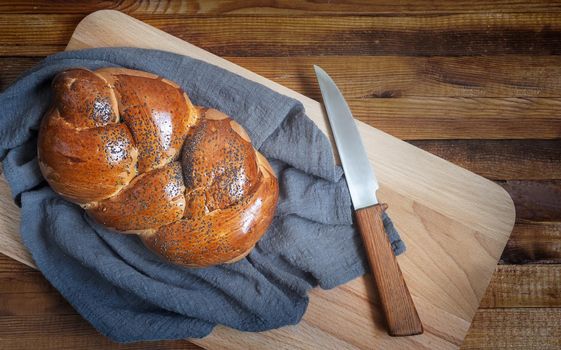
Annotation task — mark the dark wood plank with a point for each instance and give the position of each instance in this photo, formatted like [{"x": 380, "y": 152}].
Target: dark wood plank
[
  {"x": 12, "y": 67},
  {"x": 69, "y": 332},
  {"x": 363, "y": 77},
  {"x": 133, "y": 7},
  {"x": 23, "y": 282},
  {"x": 502, "y": 159},
  {"x": 9, "y": 265},
  {"x": 534, "y": 243},
  {"x": 515, "y": 329},
  {"x": 445, "y": 35},
  {"x": 18, "y": 304},
  {"x": 516, "y": 286},
  {"x": 278, "y": 7},
  {"x": 462, "y": 118},
  {"x": 536, "y": 34},
  {"x": 30, "y": 50},
  {"x": 39, "y": 34},
  {"x": 535, "y": 200}
]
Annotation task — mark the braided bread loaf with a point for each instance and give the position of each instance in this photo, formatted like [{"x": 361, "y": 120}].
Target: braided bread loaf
[{"x": 139, "y": 157}]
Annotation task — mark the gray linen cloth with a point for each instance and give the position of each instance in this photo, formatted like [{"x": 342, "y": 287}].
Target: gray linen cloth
[{"x": 130, "y": 294}]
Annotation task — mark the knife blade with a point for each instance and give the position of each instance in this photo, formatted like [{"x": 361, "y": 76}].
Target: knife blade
[
  {"x": 360, "y": 176},
  {"x": 401, "y": 315}
]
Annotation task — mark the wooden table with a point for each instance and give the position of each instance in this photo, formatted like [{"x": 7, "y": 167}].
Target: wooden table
[{"x": 474, "y": 82}]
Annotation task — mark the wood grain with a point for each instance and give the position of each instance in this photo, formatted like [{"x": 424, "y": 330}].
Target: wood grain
[
  {"x": 426, "y": 118},
  {"x": 43, "y": 34},
  {"x": 530, "y": 286},
  {"x": 387, "y": 77},
  {"x": 501, "y": 159},
  {"x": 66, "y": 332},
  {"x": 8, "y": 264},
  {"x": 400, "y": 313},
  {"x": 452, "y": 35},
  {"x": 362, "y": 77},
  {"x": 9, "y": 227},
  {"x": 12, "y": 67},
  {"x": 537, "y": 201},
  {"x": 277, "y": 7},
  {"x": 16, "y": 304},
  {"x": 26, "y": 281},
  {"x": 133, "y": 7},
  {"x": 445, "y": 35},
  {"x": 515, "y": 329},
  {"x": 534, "y": 243}
]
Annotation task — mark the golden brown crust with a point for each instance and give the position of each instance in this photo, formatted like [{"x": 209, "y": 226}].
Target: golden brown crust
[
  {"x": 221, "y": 235},
  {"x": 151, "y": 200},
  {"x": 157, "y": 115},
  {"x": 84, "y": 99},
  {"x": 218, "y": 160},
  {"x": 132, "y": 149},
  {"x": 71, "y": 166}
]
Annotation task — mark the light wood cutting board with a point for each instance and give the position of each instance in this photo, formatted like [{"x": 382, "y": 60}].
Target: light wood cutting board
[{"x": 455, "y": 225}]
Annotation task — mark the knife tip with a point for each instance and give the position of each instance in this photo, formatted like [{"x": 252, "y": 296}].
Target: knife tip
[{"x": 318, "y": 69}]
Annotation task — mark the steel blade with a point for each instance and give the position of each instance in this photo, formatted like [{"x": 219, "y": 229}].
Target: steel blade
[{"x": 358, "y": 171}]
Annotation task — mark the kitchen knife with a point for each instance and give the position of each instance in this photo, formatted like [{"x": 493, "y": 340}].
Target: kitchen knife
[{"x": 401, "y": 316}]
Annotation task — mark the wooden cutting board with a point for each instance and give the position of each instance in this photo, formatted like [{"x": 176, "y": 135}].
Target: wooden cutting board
[{"x": 455, "y": 225}]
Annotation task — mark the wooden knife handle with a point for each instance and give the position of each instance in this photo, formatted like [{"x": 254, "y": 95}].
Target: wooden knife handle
[{"x": 400, "y": 312}]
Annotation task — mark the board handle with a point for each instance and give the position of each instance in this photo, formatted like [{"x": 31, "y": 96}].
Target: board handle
[{"x": 401, "y": 315}]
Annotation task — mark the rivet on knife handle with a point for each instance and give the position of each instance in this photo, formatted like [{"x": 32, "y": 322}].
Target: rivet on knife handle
[{"x": 400, "y": 312}]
